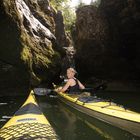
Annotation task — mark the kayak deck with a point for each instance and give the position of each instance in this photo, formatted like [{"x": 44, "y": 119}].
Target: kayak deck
[
  {"x": 26, "y": 131},
  {"x": 105, "y": 107},
  {"x": 28, "y": 123}
]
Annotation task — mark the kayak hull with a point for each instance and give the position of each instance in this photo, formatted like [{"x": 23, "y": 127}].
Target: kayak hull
[{"x": 130, "y": 126}]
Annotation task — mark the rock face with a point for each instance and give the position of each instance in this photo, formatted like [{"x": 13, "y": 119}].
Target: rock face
[
  {"x": 107, "y": 40},
  {"x": 124, "y": 23},
  {"x": 27, "y": 40},
  {"x": 91, "y": 37},
  {"x": 60, "y": 32}
]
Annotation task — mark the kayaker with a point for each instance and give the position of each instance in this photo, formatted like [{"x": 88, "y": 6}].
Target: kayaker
[{"x": 72, "y": 85}]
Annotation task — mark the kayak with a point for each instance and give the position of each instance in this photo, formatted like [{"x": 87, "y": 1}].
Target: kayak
[
  {"x": 28, "y": 123},
  {"x": 104, "y": 110}
]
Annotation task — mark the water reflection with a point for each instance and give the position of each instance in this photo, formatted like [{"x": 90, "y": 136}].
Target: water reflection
[
  {"x": 99, "y": 131},
  {"x": 73, "y": 118},
  {"x": 73, "y": 125}
]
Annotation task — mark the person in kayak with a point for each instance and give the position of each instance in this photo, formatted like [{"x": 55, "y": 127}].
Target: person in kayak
[{"x": 73, "y": 84}]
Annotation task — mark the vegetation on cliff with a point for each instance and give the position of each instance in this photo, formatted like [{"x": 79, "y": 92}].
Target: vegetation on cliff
[
  {"x": 29, "y": 43},
  {"x": 67, "y": 11}
]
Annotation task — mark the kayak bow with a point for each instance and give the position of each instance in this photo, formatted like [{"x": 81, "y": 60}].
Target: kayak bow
[
  {"x": 28, "y": 123},
  {"x": 105, "y": 111}
]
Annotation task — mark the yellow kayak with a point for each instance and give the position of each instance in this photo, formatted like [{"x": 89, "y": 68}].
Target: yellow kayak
[
  {"x": 105, "y": 111},
  {"x": 28, "y": 123}
]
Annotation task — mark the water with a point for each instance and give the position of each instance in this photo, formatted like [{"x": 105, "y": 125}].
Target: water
[
  {"x": 8, "y": 106},
  {"x": 68, "y": 123}
]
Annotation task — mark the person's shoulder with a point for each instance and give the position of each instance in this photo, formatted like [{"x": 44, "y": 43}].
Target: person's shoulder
[{"x": 70, "y": 80}]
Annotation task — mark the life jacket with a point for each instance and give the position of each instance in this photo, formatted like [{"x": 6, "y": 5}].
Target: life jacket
[{"x": 75, "y": 88}]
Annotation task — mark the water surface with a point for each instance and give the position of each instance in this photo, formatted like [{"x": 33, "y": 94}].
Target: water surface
[{"x": 70, "y": 124}]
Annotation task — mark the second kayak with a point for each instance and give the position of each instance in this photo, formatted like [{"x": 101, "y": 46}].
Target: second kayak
[{"x": 105, "y": 111}]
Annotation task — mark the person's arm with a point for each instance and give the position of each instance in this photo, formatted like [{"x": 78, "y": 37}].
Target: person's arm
[
  {"x": 81, "y": 86},
  {"x": 65, "y": 87}
]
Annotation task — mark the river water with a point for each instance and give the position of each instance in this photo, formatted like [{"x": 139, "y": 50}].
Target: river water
[{"x": 70, "y": 124}]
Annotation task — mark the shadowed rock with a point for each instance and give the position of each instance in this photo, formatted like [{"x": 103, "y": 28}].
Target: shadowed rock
[
  {"x": 27, "y": 41},
  {"x": 107, "y": 40}
]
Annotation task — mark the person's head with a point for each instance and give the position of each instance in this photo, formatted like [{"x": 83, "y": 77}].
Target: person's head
[{"x": 71, "y": 72}]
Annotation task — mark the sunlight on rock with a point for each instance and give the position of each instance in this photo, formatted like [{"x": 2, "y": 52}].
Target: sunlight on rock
[{"x": 37, "y": 27}]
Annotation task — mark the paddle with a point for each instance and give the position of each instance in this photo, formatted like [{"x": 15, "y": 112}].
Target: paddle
[
  {"x": 43, "y": 91},
  {"x": 99, "y": 87},
  {"x": 49, "y": 92}
]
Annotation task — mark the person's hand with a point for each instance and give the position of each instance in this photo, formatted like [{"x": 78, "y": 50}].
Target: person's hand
[{"x": 58, "y": 89}]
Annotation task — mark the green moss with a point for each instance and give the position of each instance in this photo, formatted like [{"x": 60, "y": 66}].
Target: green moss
[{"x": 25, "y": 54}]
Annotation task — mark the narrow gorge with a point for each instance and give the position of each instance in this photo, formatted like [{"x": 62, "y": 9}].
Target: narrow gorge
[{"x": 34, "y": 44}]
